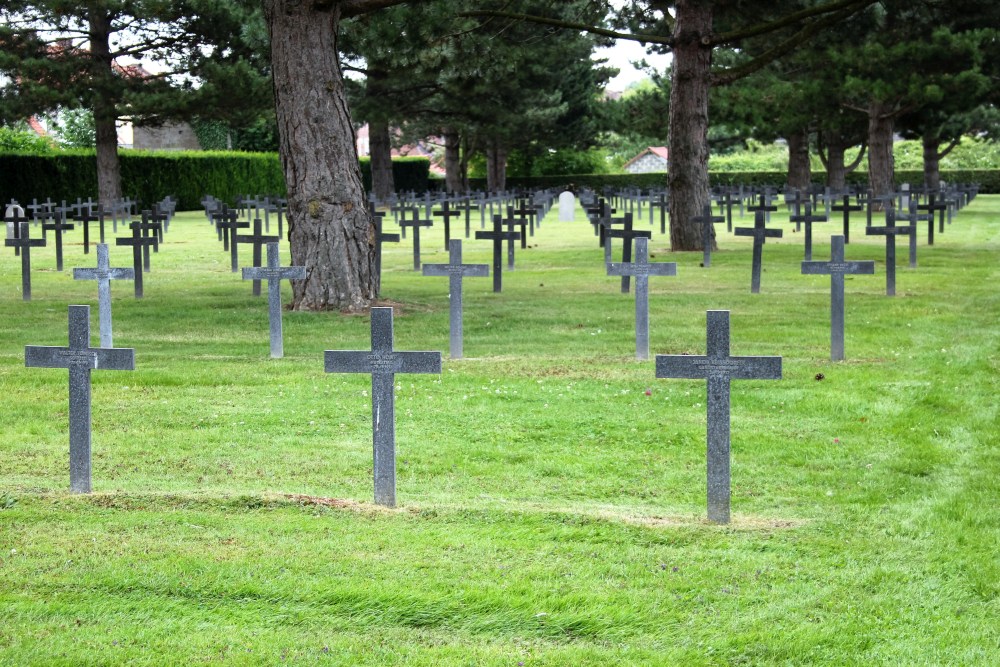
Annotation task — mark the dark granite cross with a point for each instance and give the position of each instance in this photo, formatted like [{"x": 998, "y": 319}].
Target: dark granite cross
[
  {"x": 416, "y": 223},
  {"x": 447, "y": 213},
  {"x": 466, "y": 205},
  {"x": 274, "y": 273},
  {"x": 227, "y": 223},
  {"x": 24, "y": 243},
  {"x": 627, "y": 234},
  {"x": 258, "y": 239},
  {"x": 837, "y": 268},
  {"x": 890, "y": 231},
  {"x": 498, "y": 235},
  {"x": 151, "y": 231},
  {"x": 14, "y": 215},
  {"x": 456, "y": 271},
  {"x": 383, "y": 362},
  {"x": 58, "y": 225},
  {"x": 726, "y": 201},
  {"x": 764, "y": 206},
  {"x": 80, "y": 359},
  {"x": 138, "y": 241},
  {"x": 642, "y": 269},
  {"x": 718, "y": 368},
  {"x": 661, "y": 202},
  {"x": 524, "y": 212},
  {"x": 759, "y": 233},
  {"x": 87, "y": 216},
  {"x": 932, "y": 205},
  {"x": 807, "y": 218},
  {"x": 846, "y": 208},
  {"x": 706, "y": 220},
  {"x": 915, "y": 218},
  {"x": 104, "y": 274}
]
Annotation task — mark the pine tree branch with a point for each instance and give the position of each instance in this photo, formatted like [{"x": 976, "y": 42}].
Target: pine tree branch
[
  {"x": 857, "y": 161},
  {"x": 570, "y": 25},
  {"x": 836, "y": 7},
  {"x": 349, "y": 8},
  {"x": 951, "y": 146}
]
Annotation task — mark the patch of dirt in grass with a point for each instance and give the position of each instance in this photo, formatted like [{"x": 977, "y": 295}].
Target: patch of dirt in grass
[{"x": 736, "y": 523}]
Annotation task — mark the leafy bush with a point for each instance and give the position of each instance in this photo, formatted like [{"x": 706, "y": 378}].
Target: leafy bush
[{"x": 20, "y": 139}]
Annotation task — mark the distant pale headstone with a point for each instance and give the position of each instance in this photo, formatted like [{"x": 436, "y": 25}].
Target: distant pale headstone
[
  {"x": 80, "y": 359},
  {"x": 718, "y": 368},
  {"x": 383, "y": 362}
]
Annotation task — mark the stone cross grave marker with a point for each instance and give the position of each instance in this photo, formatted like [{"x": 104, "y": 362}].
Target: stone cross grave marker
[
  {"x": 85, "y": 216},
  {"x": 446, "y": 214},
  {"x": 524, "y": 212},
  {"x": 807, "y": 218},
  {"x": 764, "y": 206},
  {"x": 510, "y": 222},
  {"x": 383, "y": 362},
  {"x": 80, "y": 359},
  {"x": 915, "y": 218},
  {"x": 627, "y": 234},
  {"x": 759, "y": 233},
  {"x": 498, "y": 235},
  {"x": 846, "y": 208},
  {"x": 567, "y": 206},
  {"x": 642, "y": 269},
  {"x": 726, "y": 201},
  {"x": 138, "y": 241},
  {"x": 466, "y": 205},
  {"x": 258, "y": 239},
  {"x": 930, "y": 207},
  {"x": 104, "y": 274},
  {"x": 706, "y": 220},
  {"x": 14, "y": 216},
  {"x": 274, "y": 273},
  {"x": 718, "y": 367},
  {"x": 24, "y": 243},
  {"x": 661, "y": 202},
  {"x": 226, "y": 222},
  {"x": 380, "y": 238},
  {"x": 837, "y": 268},
  {"x": 890, "y": 231},
  {"x": 456, "y": 271},
  {"x": 416, "y": 223},
  {"x": 58, "y": 225},
  {"x": 150, "y": 230}
]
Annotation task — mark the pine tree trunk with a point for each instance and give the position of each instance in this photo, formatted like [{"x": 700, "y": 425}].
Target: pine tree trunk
[
  {"x": 881, "y": 169},
  {"x": 836, "y": 169},
  {"x": 799, "y": 169},
  {"x": 932, "y": 161},
  {"x": 496, "y": 167},
  {"x": 688, "y": 127},
  {"x": 380, "y": 149},
  {"x": 453, "y": 177},
  {"x": 329, "y": 229},
  {"x": 109, "y": 177}
]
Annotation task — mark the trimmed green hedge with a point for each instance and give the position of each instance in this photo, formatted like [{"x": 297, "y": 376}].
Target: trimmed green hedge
[{"x": 151, "y": 175}]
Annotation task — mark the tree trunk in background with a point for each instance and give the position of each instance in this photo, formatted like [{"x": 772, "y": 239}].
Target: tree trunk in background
[
  {"x": 932, "y": 160},
  {"x": 881, "y": 168},
  {"x": 799, "y": 169},
  {"x": 380, "y": 147},
  {"x": 453, "y": 177},
  {"x": 109, "y": 178},
  {"x": 688, "y": 130},
  {"x": 329, "y": 229},
  {"x": 496, "y": 167}
]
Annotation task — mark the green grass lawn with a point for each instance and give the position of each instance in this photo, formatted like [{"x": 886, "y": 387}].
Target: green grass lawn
[{"x": 551, "y": 490}]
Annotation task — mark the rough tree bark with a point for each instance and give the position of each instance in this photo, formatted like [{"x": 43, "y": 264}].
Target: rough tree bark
[
  {"x": 496, "y": 166},
  {"x": 799, "y": 169},
  {"x": 329, "y": 229},
  {"x": 109, "y": 178},
  {"x": 881, "y": 167},
  {"x": 832, "y": 152},
  {"x": 688, "y": 125},
  {"x": 380, "y": 149},
  {"x": 453, "y": 176},
  {"x": 933, "y": 154}
]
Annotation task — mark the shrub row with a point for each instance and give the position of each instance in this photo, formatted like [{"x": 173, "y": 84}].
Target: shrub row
[{"x": 151, "y": 175}]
